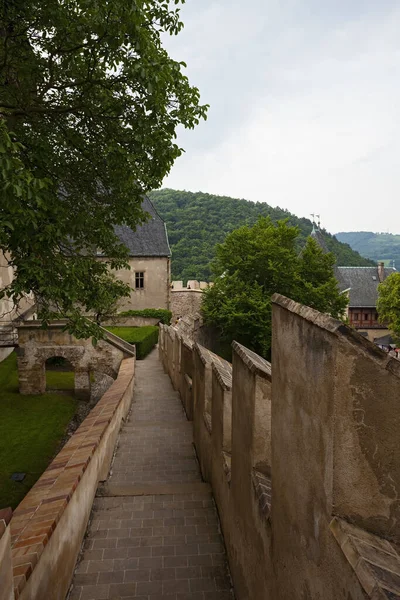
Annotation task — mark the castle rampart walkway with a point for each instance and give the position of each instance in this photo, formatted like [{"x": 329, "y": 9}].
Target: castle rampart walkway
[{"x": 154, "y": 532}]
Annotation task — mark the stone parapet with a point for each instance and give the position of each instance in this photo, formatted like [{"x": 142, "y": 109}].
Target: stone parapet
[
  {"x": 297, "y": 452},
  {"x": 48, "y": 526},
  {"x": 6, "y": 569}
]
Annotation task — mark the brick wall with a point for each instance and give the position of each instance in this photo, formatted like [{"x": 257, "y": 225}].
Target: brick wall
[{"x": 48, "y": 526}]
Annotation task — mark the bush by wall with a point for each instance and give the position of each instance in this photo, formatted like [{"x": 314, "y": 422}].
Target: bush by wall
[
  {"x": 144, "y": 338},
  {"x": 163, "y": 314}
]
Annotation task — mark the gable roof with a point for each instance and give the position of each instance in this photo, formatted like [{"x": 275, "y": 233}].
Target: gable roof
[
  {"x": 148, "y": 239},
  {"x": 363, "y": 283}
]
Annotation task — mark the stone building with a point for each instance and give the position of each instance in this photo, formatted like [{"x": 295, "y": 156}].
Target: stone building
[
  {"x": 149, "y": 260},
  {"x": 361, "y": 285}
]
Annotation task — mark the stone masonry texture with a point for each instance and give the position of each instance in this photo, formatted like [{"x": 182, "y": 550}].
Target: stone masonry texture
[{"x": 154, "y": 533}]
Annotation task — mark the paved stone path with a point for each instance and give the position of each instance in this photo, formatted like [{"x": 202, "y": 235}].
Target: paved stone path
[{"x": 155, "y": 533}]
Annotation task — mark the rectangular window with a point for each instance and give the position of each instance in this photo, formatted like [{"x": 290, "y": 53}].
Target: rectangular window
[
  {"x": 139, "y": 280},
  {"x": 376, "y": 316},
  {"x": 366, "y": 317},
  {"x": 355, "y": 316}
]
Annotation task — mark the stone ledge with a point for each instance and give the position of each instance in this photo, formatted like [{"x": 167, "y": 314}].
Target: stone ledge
[
  {"x": 263, "y": 490},
  {"x": 187, "y": 342},
  {"x": 223, "y": 373},
  {"x": 189, "y": 381},
  {"x": 255, "y": 363},
  {"x": 227, "y": 466},
  {"x": 37, "y": 516},
  {"x": 374, "y": 560},
  {"x": 207, "y": 422},
  {"x": 205, "y": 355},
  {"x": 5, "y": 518}
]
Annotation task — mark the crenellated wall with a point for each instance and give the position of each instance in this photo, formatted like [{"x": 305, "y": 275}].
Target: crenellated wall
[{"x": 304, "y": 464}]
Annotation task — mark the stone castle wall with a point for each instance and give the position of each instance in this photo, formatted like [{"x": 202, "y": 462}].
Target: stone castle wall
[
  {"x": 185, "y": 302},
  {"x": 303, "y": 458}
]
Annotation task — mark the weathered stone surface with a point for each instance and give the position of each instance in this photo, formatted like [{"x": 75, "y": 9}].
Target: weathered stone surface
[{"x": 36, "y": 345}]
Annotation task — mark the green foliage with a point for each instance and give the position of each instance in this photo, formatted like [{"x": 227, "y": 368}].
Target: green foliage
[
  {"x": 388, "y": 305},
  {"x": 162, "y": 314},
  {"x": 144, "y": 338},
  {"x": 379, "y": 247},
  {"x": 31, "y": 429},
  {"x": 250, "y": 266},
  {"x": 196, "y": 222},
  {"x": 89, "y": 106}
]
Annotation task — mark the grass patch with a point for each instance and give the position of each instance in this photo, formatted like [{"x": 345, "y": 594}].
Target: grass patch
[
  {"x": 60, "y": 380},
  {"x": 31, "y": 429},
  {"x": 144, "y": 338}
]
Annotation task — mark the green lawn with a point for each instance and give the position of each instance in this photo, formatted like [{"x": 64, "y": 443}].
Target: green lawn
[
  {"x": 60, "y": 380},
  {"x": 31, "y": 429}
]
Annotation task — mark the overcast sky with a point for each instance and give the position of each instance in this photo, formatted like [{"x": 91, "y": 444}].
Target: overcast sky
[{"x": 305, "y": 106}]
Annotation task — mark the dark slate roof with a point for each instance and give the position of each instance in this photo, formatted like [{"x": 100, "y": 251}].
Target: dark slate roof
[
  {"x": 385, "y": 340},
  {"x": 150, "y": 238},
  {"x": 363, "y": 283}
]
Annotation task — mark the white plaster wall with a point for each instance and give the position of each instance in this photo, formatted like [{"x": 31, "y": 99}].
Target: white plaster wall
[{"x": 156, "y": 283}]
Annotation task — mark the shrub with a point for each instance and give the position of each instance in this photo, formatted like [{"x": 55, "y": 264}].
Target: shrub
[
  {"x": 144, "y": 338},
  {"x": 162, "y": 314}
]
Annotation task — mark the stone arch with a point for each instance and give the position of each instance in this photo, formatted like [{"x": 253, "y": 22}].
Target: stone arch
[
  {"x": 37, "y": 345},
  {"x": 75, "y": 355},
  {"x": 58, "y": 365}
]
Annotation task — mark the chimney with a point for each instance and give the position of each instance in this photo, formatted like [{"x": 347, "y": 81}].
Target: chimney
[{"x": 381, "y": 271}]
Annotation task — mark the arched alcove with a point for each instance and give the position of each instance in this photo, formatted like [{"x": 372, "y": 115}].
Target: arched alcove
[{"x": 60, "y": 374}]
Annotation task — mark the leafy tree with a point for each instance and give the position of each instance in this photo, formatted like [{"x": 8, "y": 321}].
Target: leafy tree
[
  {"x": 251, "y": 265},
  {"x": 388, "y": 305},
  {"x": 89, "y": 105}
]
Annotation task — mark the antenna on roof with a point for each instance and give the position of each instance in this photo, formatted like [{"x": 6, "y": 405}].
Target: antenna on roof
[{"x": 313, "y": 215}]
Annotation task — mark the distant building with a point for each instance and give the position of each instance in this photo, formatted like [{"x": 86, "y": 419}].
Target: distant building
[
  {"x": 149, "y": 276},
  {"x": 361, "y": 284}
]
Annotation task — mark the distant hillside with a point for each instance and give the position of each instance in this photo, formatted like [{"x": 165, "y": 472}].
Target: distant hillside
[
  {"x": 196, "y": 222},
  {"x": 377, "y": 246}
]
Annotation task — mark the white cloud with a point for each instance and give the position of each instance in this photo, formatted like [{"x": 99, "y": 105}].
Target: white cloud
[{"x": 304, "y": 108}]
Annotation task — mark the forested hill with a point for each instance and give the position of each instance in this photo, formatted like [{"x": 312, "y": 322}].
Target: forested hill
[
  {"x": 196, "y": 222},
  {"x": 378, "y": 246}
]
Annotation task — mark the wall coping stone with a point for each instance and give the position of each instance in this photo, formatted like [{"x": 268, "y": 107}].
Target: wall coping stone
[
  {"x": 187, "y": 342},
  {"x": 336, "y": 327},
  {"x": 263, "y": 490},
  {"x": 208, "y": 357},
  {"x": 255, "y": 363},
  {"x": 184, "y": 290},
  {"x": 205, "y": 355},
  {"x": 374, "y": 559},
  {"x": 36, "y": 517},
  {"x": 227, "y": 465},
  {"x": 223, "y": 373},
  {"x": 5, "y": 518}
]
